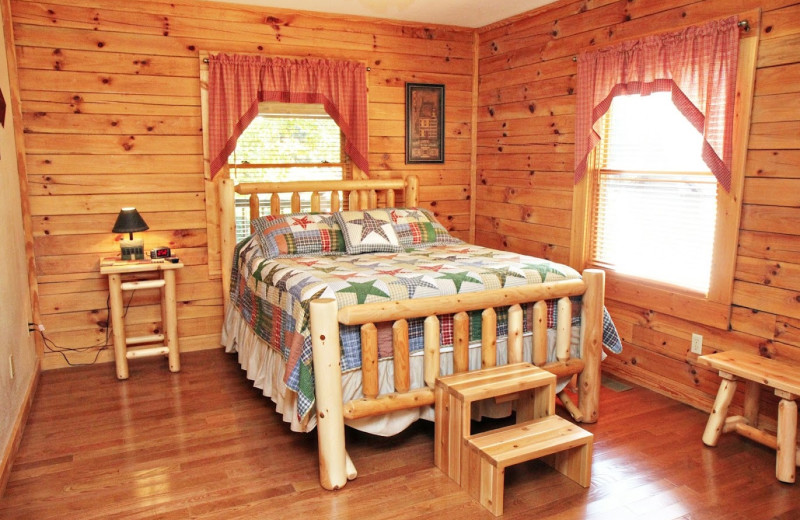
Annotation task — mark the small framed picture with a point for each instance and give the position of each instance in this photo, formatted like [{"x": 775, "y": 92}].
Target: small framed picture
[{"x": 424, "y": 123}]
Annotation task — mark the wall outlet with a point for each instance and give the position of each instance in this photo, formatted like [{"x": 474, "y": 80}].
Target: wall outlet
[
  {"x": 11, "y": 365},
  {"x": 697, "y": 344}
]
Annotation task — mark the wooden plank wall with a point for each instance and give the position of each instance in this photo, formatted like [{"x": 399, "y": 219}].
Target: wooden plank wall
[
  {"x": 524, "y": 178},
  {"x": 111, "y": 104}
]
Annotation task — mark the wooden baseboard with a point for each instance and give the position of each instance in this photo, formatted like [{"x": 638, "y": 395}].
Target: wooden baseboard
[{"x": 19, "y": 427}]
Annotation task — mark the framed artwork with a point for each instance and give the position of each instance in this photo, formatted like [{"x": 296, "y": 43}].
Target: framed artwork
[{"x": 424, "y": 123}]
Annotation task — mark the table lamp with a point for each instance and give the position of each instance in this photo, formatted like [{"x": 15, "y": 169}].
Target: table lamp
[{"x": 129, "y": 221}]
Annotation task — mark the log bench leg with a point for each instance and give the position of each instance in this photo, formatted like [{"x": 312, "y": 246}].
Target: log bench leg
[
  {"x": 787, "y": 441},
  {"x": 716, "y": 420},
  {"x": 752, "y": 394}
]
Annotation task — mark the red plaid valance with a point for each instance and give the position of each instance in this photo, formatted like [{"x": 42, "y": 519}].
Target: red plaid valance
[
  {"x": 237, "y": 83},
  {"x": 697, "y": 65}
]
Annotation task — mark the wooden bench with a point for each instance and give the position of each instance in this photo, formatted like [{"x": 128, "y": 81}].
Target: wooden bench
[
  {"x": 478, "y": 462},
  {"x": 757, "y": 371}
]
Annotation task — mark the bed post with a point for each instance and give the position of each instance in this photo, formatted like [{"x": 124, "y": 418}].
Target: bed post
[
  {"x": 333, "y": 470},
  {"x": 411, "y": 195},
  {"x": 227, "y": 226},
  {"x": 591, "y": 344}
]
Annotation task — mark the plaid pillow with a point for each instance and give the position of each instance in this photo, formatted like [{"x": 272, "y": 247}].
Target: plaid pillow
[
  {"x": 368, "y": 231},
  {"x": 417, "y": 227},
  {"x": 299, "y": 234}
]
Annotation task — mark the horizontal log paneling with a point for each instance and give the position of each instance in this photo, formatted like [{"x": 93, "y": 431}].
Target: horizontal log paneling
[
  {"x": 526, "y": 99},
  {"x": 113, "y": 144},
  {"x": 123, "y": 100},
  {"x": 72, "y": 184},
  {"x": 87, "y": 124},
  {"x": 535, "y": 179},
  {"x": 110, "y": 97},
  {"x": 91, "y": 61},
  {"x": 773, "y": 163},
  {"x": 110, "y": 203},
  {"x": 768, "y": 272},
  {"x": 773, "y": 219},
  {"x": 103, "y": 103},
  {"x": 778, "y": 80},
  {"x": 112, "y": 164},
  {"x": 788, "y": 331},
  {"x": 87, "y": 224},
  {"x": 774, "y": 246}
]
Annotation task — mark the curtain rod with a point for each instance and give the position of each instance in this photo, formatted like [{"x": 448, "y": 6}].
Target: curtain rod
[
  {"x": 205, "y": 60},
  {"x": 744, "y": 24}
]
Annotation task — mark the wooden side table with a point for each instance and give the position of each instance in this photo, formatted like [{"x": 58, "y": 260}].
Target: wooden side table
[{"x": 116, "y": 270}]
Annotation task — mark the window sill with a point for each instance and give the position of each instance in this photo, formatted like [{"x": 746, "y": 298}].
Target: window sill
[{"x": 657, "y": 297}]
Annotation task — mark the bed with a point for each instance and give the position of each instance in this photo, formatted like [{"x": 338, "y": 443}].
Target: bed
[{"x": 355, "y": 327}]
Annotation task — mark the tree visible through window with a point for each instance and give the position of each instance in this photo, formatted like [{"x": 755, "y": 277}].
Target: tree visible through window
[
  {"x": 656, "y": 200},
  {"x": 286, "y": 142}
]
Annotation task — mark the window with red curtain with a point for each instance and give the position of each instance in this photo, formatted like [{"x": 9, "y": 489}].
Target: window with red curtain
[
  {"x": 697, "y": 65},
  {"x": 688, "y": 77},
  {"x": 237, "y": 83}
]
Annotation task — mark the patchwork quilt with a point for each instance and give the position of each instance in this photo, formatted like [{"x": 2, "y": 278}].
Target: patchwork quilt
[{"x": 273, "y": 296}]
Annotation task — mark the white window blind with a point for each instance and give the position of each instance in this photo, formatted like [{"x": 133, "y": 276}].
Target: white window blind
[
  {"x": 655, "y": 204},
  {"x": 286, "y": 142}
]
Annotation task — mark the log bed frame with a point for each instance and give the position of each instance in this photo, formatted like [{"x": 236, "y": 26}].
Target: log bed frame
[{"x": 336, "y": 468}]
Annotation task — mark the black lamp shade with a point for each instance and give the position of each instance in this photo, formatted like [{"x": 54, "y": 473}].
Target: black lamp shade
[{"x": 129, "y": 221}]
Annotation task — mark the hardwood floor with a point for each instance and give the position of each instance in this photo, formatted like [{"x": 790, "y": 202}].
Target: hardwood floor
[{"x": 204, "y": 444}]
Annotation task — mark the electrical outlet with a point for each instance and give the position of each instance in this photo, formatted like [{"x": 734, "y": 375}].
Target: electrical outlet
[
  {"x": 697, "y": 344},
  {"x": 11, "y": 365}
]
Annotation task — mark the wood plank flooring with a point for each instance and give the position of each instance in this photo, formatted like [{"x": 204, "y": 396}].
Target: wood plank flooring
[{"x": 205, "y": 444}]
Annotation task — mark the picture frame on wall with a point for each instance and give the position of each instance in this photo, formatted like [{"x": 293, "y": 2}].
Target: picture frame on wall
[{"x": 424, "y": 123}]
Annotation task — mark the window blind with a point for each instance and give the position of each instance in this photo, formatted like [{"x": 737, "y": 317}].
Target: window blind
[
  {"x": 655, "y": 203},
  {"x": 286, "y": 142}
]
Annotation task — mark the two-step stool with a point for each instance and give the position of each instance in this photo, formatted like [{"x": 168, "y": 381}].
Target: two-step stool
[
  {"x": 115, "y": 270},
  {"x": 477, "y": 462}
]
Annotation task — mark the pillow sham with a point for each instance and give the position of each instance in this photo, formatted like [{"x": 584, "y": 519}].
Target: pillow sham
[
  {"x": 368, "y": 231},
  {"x": 417, "y": 227},
  {"x": 299, "y": 234}
]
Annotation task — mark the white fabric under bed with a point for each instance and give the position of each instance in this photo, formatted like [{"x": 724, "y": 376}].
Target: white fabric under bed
[{"x": 265, "y": 367}]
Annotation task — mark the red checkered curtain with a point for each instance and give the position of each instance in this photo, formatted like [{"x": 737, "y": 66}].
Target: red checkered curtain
[
  {"x": 237, "y": 83},
  {"x": 697, "y": 65}
]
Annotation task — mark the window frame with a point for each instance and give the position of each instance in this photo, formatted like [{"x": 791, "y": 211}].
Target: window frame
[
  {"x": 713, "y": 309},
  {"x": 212, "y": 207},
  {"x": 290, "y": 110}
]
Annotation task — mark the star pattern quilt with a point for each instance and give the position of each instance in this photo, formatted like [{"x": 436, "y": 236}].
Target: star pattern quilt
[{"x": 273, "y": 296}]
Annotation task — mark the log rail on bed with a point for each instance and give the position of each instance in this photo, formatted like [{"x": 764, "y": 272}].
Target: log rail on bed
[{"x": 335, "y": 465}]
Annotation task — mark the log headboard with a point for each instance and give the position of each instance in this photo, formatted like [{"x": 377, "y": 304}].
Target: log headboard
[{"x": 357, "y": 194}]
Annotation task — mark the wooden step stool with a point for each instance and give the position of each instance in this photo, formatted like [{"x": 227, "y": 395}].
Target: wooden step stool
[
  {"x": 569, "y": 446},
  {"x": 757, "y": 371},
  {"x": 478, "y": 462}
]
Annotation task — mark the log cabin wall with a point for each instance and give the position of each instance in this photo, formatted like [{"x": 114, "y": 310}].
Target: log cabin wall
[
  {"x": 524, "y": 174},
  {"x": 111, "y": 106}
]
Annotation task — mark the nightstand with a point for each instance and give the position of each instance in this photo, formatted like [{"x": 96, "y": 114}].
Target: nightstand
[{"x": 116, "y": 270}]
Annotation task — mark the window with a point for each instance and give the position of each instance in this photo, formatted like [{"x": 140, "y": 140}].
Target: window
[
  {"x": 656, "y": 200},
  {"x": 610, "y": 186},
  {"x": 286, "y": 141}
]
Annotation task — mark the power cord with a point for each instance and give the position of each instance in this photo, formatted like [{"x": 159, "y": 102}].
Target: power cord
[{"x": 50, "y": 345}]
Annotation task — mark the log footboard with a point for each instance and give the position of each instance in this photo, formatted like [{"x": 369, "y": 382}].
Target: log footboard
[{"x": 335, "y": 466}]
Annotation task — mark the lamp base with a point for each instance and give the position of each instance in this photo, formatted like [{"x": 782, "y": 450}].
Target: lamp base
[{"x": 132, "y": 249}]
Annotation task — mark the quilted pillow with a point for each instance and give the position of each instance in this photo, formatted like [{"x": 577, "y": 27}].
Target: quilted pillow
[
  {"x": 417, "y": 227},
  {"x": 368, "y": 231},
  {"x": 299, "y": 234}
]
